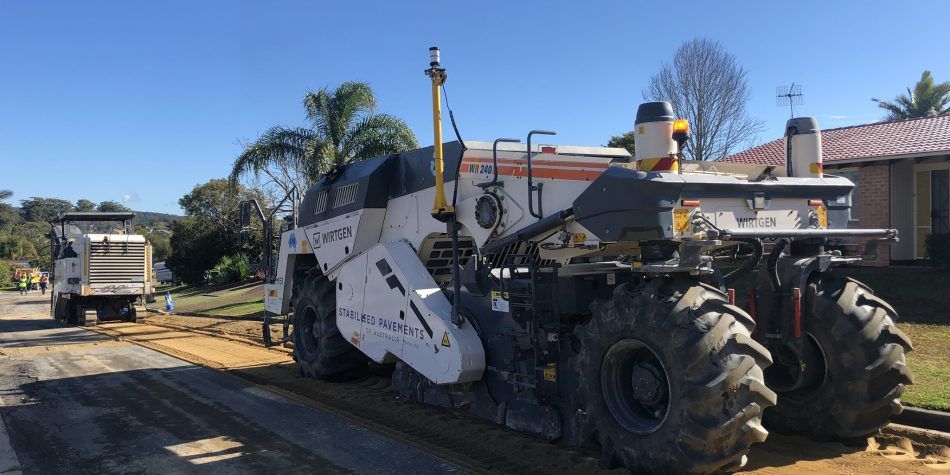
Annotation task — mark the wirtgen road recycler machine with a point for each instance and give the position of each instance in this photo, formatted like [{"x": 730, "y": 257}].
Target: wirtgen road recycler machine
[{"x": 584, "y": 295}]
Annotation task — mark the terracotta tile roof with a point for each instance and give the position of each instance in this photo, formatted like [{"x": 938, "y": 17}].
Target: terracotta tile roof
[{"x": 881, "y": 139}]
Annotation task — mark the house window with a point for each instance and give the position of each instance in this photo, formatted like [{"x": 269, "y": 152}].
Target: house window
[{"x": 853, "y": 199}]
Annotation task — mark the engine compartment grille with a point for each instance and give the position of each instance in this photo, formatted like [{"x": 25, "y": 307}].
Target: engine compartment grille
[{"x": 116, "y": 262}]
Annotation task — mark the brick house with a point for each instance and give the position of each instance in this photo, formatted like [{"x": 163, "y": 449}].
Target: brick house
[{"x": 902, "y": 172}]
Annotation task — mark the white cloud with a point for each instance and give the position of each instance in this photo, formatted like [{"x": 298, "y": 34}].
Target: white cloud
[
  {"x": 838, "y": 117},
  {"x": 130, "y": 197}
]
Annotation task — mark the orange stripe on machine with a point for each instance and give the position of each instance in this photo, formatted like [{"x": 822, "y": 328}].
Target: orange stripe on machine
[{"x": 553, "y": 169}]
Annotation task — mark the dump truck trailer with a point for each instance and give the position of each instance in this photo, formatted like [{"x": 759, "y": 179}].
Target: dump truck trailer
[{"x": 587, "y": 296}]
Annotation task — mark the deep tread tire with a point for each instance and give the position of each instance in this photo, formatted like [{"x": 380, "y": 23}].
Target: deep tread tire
[
  {"x": 319, "y": 349},
  {"x": 866, "y": 370},
  {"x": 715, "y": 373}
]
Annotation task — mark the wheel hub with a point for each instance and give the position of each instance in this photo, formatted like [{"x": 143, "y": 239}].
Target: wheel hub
[
  {"x": 635, "y": 386},
  {"x": 646, "y": 384},
  {"x": 311, "y": 332},
  {"x": 799, "y": 371}
]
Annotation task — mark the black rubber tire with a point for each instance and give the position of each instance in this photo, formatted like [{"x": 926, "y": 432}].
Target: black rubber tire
[
  {"x": 132, "y": 316},
  {"x": 319, "y": 349},
  {"x": 715, "y": 377},
  {"x": 73, "y": 312},
  {"x": 864, "y": 358},
  {"x": 59, "y": 311}
]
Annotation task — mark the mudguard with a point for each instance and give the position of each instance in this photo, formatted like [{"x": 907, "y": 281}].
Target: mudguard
[{"x": 389, "y": 307}]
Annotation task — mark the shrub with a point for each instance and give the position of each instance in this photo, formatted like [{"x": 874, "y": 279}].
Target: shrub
[
  {"x": 938, "y": 250},
  {"x": 233, "y": 268},
  {"x": 6, "y": 274}
]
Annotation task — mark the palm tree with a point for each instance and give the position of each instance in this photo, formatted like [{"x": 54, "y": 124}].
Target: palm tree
[
  {"x": 925, "y": 100},
  {"x": 4, "y": 194},
  {"x": 343, "y": 128}
]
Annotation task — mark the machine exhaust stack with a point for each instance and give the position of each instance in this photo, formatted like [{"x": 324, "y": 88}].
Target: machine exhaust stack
[
  {"x": 803, "y": 148},
  {"x": 656, "y": 150}
]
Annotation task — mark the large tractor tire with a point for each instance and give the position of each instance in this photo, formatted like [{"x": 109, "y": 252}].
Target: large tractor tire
[
  {"x": 671, "y": 379},
  {"x": 859, "y": 354},
  {"x": 319, "y": 349}
]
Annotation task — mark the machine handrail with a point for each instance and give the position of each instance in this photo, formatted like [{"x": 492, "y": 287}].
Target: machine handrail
[{"x": 531, "y": 187}]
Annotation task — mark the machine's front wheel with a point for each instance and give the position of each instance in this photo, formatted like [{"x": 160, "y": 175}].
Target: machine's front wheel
[
  {"x": 319, "y": 349},
  {"x": 860, "y": 354},
  {"x": 671, "y": 379}
]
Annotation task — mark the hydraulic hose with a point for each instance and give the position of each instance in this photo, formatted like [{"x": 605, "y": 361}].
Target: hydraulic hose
[
  {"x": 751, "y": 263},
  {"x": 773, "y": 264}
]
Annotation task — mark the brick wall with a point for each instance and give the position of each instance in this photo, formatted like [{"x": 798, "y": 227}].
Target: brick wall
[{"x": 874, "y": 204}]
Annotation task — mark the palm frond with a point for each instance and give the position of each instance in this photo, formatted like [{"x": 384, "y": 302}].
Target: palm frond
[
  {"x": 277, "y": 145},
  {"x": 317, "y": 105},
  {"x": 343, "y": 129},
  {"x": 351, "y": 101},
  {"x": 4, "y": 194},
  {"x": 376, "y": 135},
  {"x": 924, "y": 99}
]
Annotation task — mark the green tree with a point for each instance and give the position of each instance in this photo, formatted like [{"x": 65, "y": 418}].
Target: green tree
[
  {"x": 212, "y": 229},
  {"x": 195, "y": 248},
  {"x": 161, "y": 244},
  {"x": 626, "y": 141},
  {"x": 111, "y": 207},
  {"x": 926, "y": 99},
  {"x": 9, "y": 216},
  {"x": 6, "y": 274},
  {"x": 343, "y": 128},
  {"x": 16, "y": 247},
  {"x": 85, "y": 205},
  {"x": 44, "y": 209}
]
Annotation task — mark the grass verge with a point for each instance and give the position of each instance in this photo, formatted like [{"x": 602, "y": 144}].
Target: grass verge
[{"x": 930, "y": 363}]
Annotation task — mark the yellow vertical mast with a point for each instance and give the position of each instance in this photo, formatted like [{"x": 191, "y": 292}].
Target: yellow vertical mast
[{"x": 441, "y": 209}]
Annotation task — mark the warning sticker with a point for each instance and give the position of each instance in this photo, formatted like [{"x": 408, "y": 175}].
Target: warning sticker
[
  {"x": 499, "y": 301},
  {"x": 550, "y": 372},
  {"x": 681, "y": 220},
  {"x": 822, "y": 217},
  {"x": 445, "y": 340}
]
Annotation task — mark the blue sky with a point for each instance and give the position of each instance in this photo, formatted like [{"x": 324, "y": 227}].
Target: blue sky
[{"x": 138, "y": 102}]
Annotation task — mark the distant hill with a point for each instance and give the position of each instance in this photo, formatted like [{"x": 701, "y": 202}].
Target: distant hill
[{"x": 150, "y": 218}]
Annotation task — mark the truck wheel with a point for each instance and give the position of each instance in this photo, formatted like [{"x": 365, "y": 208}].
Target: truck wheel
[
  {"x": 671, "y": 379},
  {"x": 59, "y": 311},
  {"x": 132, "y": 315},
  {"x": 319, "y": 349},
  {"x": 73, "y": 312},
  {"x": 863, "y": 371}
]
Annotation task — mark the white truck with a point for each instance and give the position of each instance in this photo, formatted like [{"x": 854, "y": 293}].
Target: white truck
[{"x": 100, "y": 271}]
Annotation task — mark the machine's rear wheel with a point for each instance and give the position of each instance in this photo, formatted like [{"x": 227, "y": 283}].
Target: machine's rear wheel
[
  {"x": 861, "y": 356},
  {"x": 132, "y": 315},
  {"x": 59, "y": 310},
  {"x": 319, "y": 349},
  {"x": 73, "y": 312},
  {"x": 671, "y": 379}
]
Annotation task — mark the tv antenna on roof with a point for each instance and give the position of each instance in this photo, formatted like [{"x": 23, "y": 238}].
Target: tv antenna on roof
[{"x": 790, "y": 96}]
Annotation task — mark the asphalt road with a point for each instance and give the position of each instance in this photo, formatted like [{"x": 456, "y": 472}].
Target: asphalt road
[{"x": 74, "y": 401}]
